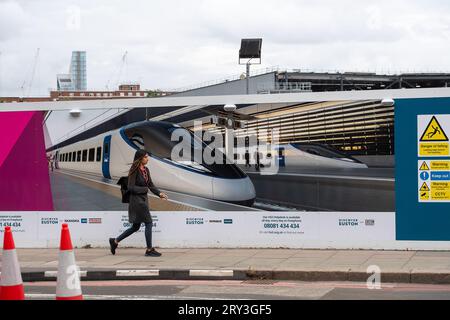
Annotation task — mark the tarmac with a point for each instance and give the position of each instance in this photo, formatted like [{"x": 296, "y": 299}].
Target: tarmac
[{"x": 430, "y": 267}]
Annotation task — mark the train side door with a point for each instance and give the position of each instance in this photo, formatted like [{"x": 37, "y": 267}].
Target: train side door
[
  {"x": 56, "y": 160},
  {"x": 106, "y": 157},
  {"x": 281, "y": 157}
]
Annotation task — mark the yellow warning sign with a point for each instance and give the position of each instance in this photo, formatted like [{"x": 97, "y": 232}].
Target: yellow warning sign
[
  {"x": 434, "y": 149},
  {"x": 440, "y": 190},
  {"x": 424, "y": 166},
  {"x": 434, "y": 132},
  {"x": 424, "y": 187},
  {"x": 440, "y": 165},
  {"x": 424, "y": 195}
]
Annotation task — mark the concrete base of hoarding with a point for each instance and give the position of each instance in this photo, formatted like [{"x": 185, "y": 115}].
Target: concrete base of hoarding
[{"x": 212, "y": 229}]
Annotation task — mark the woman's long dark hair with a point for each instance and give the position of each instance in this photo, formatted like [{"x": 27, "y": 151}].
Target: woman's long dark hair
[
  {"x": 134, "y": 166},
  {"x": 138, "y": 156}
]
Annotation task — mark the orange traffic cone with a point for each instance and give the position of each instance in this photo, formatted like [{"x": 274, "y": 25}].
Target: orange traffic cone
[
  {"x": 11, "y": 286},
  {"x": 68, "y": 285}
]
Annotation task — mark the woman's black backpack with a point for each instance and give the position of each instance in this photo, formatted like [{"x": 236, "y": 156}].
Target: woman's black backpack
[{"x": 123, "y": 182}]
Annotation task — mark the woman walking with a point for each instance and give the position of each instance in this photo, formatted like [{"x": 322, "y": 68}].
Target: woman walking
[{"x": 139, "y": 181}]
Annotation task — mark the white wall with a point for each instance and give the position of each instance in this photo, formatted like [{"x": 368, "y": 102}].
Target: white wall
[{"x": 318, "y": 230}]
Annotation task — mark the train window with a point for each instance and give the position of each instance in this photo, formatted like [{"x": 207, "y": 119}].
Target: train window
[
  {"x": 74, "y": 156},
  {"x": 91, "y": 155},
  {"x": 70, "y": 157},
  {"x": 84, "y": 155},
  {"x": 138, "y": 140},
  {"x": 78, "y": 156},
  {"x": 65, "y": 157},
  {"x": 60, "y": 157},
  {"x": 106, "y": 148},
  {"x": 99, "y": 154}
]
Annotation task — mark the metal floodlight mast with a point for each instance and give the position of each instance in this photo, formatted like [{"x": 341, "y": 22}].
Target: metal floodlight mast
[{"x": 250, "y": 49}]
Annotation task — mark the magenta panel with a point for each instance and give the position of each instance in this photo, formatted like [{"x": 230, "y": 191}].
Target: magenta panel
[
  {"x": 24, "y": 176},
  {"x": 12, "y": 125}
]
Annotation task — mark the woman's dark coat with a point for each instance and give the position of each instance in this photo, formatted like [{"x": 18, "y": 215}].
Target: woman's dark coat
[{"x": 138, "y": 210}]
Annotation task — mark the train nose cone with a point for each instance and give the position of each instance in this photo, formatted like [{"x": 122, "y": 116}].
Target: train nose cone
[{"x": 234, "y": 190}]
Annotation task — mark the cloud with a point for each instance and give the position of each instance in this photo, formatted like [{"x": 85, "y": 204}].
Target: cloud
[
  {"x": 176, "y": 43},
  {"x": 12, "y": 20}
]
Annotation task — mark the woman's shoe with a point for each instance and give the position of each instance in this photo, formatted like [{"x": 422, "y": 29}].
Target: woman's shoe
[
  {"x": 113, "y": 245},
  {"x": 152, "y": 253}
]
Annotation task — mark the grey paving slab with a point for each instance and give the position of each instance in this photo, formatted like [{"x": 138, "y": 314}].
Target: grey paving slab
[{"x": 260, "y": 263}]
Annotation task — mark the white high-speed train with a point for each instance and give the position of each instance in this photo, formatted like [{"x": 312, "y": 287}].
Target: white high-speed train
[
  {"x": 298, "y": 155},
  {"x": 110, "y": 154}
]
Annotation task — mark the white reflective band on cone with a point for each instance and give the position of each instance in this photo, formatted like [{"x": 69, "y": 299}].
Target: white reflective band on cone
[
  {"x": 10, "y": 275},
  {"x": 68, "y": 281}
]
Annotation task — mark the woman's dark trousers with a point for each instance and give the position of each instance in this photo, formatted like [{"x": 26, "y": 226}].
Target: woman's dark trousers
[{"x": 134, "y": 228}]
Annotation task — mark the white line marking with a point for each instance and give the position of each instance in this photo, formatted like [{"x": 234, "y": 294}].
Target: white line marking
[
  {"x": 137, "y": 273},
  {"x": 122, "y": 297},
  {"x": 211, "y": 273},
  {"x": 54, "y": 274}
]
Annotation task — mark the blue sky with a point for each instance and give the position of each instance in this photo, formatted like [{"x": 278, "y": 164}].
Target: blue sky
[{"x": 173, "y": 44}]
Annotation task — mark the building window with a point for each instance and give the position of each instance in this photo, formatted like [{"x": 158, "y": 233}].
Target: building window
[
  {"x": 99, "y": 94},
  {"x": 122, "y": 94},
  {"x": 82, "y": 94},
  {"x": 130, "y": 94},
  {"x": 91, "y": 94},
  {"x": 91, "y": 155},
  {"x": 84, "y": 155}
]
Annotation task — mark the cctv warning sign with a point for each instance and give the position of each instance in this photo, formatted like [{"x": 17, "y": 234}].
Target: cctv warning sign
[{"x": 434, "y": 183}]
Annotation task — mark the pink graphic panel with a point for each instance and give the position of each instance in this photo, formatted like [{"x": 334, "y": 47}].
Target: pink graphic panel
[
  {"x": 24, "y": 176},
  {"x": 11, "y": 126}
]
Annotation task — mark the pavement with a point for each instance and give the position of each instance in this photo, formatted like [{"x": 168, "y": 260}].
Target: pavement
[{"x": 98, "y": 264}]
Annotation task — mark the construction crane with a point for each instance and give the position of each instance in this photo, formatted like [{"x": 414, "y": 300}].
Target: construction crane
[
  {"x": 33, "y": 71},
  {"x": 121, "y": 67}
]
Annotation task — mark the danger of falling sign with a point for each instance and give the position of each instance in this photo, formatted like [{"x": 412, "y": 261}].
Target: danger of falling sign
[{"x": 432, "y": 135}]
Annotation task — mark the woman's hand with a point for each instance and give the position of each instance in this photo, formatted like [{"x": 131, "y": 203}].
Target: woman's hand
[{"x": 164, "y": 196}]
